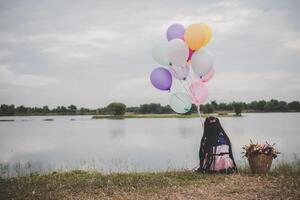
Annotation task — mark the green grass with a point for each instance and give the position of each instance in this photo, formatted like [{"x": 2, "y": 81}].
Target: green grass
[{"x": 287, "y": 168}]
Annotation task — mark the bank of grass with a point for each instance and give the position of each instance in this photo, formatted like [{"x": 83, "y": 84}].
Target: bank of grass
[
  {"x": 144, "y": 116},
  {"x": 282, "y": 183},
  {"x": 194, "y": 115}
]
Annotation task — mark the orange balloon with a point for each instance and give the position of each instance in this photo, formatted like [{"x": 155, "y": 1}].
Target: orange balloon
[
  {"x": 195, "y": 36},
  {"x": 208, "y": 33}
]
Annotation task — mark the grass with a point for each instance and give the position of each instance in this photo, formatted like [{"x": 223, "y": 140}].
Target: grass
[
  {"x": 194, "y": 115},
  {"x": 283, "y": 182},
  {"x": 145, "y": 116}
]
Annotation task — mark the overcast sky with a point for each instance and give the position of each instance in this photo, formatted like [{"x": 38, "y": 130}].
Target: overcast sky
[{"x": 90, "y": 53}]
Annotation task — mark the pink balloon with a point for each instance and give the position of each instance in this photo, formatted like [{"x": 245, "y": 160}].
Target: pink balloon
[
  {"x": 198, "y": 92},
  {"x": 208, "y": 76},
  {"x": 190, "y": 54}
]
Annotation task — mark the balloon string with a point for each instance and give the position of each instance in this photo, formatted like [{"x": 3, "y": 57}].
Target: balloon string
[
  {"x": 181, "y": 82},
  {"x": 199, "y": 113},
  {"x": 198, "y": 106},
  {"x": 184, "y": 86},
  {"x": 180, "y": 99}
]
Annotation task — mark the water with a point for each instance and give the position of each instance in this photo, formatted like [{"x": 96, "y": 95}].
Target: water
[{"x": 30, "y": 144}]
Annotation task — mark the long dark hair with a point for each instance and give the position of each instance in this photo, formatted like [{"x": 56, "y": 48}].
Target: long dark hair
[{"x": 212, "y": 130}]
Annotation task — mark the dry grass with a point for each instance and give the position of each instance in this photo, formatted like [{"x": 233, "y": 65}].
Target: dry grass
[{"x": 164, "y": 185}]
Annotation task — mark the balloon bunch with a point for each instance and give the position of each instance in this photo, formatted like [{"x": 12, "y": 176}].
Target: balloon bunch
[{"x": 184, "y": 50}]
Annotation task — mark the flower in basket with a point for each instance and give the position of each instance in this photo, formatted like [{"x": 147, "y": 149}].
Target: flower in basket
[
  {"x": 255, "y": 149},
  {"x": 260, "y": 156}
]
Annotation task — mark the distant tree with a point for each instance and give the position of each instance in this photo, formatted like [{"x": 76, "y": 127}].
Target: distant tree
[
  {"x": 261, "y": 105},
  {"x": 274, "y": 104},
  {"x": 46, "y": 109},
  {"x": 194, "y": 109},
  {"x": 34, "y": 110},
  {"x": 238, "y": 107},
  {"x": 116, "y": 108},
  {"x": 252, "y": 105},
  {"x": 208, "y": 108},
  {"x": 269, "y": 107},
  {"x": 72, "y": 108},
  {"x": 7, "y": 109},
  {"x": 21, "y": 110},
  {"x": 102, "y": 111},
  {"x": 63, "y": 109},
  {"x": 83, "y": 110},
  {"x": 229, "y": 106},
  {"x": 294, "y": 106},
  {"x": 143, "y": 109},
  {"x": 166, "y": 109},
  {"x": 214, "y": 104},
  {"x": 282, "y": 106},
  {"x": 244, "y": 105},
  {"x": 222, "y": 106},
  {"x": 56, "y": 110},
  {"x": 132, "y": 109},
  {"x": 60, "y": 110},
  {"x": 154, "y": 108}
]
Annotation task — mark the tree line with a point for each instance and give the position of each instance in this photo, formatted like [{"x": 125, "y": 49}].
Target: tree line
[{"x": 154, "y": 108}]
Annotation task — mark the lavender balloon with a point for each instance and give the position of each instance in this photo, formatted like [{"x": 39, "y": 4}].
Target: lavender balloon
[
  {"x": 175, "y": 31},
  {"x": 161, "y": 78}
]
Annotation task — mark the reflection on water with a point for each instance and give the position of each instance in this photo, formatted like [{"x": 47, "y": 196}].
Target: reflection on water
[
  {"x": 185, "y": 132},
  {"x": 72, "y": 142},
  {"x": 117, "y": 129}
]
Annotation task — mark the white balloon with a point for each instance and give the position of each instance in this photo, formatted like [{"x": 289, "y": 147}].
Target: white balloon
[
  {"x": 180, "y": 102},
  {"x": 159, "y": 54},
  {"x": 179, "y": 72},
  {"x": 201, "y": 62},
  {"x": 178, "y": 52}
]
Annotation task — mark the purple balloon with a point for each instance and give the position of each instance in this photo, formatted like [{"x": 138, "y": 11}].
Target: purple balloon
[
  {"x": 161, "y": 78},
  {"x": 175, "y": 31}
]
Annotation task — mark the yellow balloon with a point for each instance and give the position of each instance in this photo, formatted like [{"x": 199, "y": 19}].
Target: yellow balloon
[
  {"x": 195, "y": 36},
  {"x": 208, "y": 34}
]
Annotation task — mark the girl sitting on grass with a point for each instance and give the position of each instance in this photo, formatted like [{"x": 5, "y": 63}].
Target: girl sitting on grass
[{"x": 215, "y": 149}]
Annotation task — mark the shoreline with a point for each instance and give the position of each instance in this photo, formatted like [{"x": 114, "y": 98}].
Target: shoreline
[
  {"x": 130, "y": 115},
  {"x": 136, "y": 116}
]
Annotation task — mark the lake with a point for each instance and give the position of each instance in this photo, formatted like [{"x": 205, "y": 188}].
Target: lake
[{"x": 30, "y": 144}]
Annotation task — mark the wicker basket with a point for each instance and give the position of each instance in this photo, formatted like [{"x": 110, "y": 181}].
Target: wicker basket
[{"x": 260, "y": 163}]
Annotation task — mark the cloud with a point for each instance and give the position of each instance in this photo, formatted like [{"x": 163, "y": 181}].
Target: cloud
[
  {"x": 293, "y": 43},
  {"x": 135, "y": 91},
  {"x": 104, "y": 47},
  {"x": 253, "y": 86},
  {"x": 25, "y": 80}
]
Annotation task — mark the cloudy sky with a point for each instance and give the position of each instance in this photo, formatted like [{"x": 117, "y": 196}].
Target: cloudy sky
[{"x": 90, "y": 53}]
